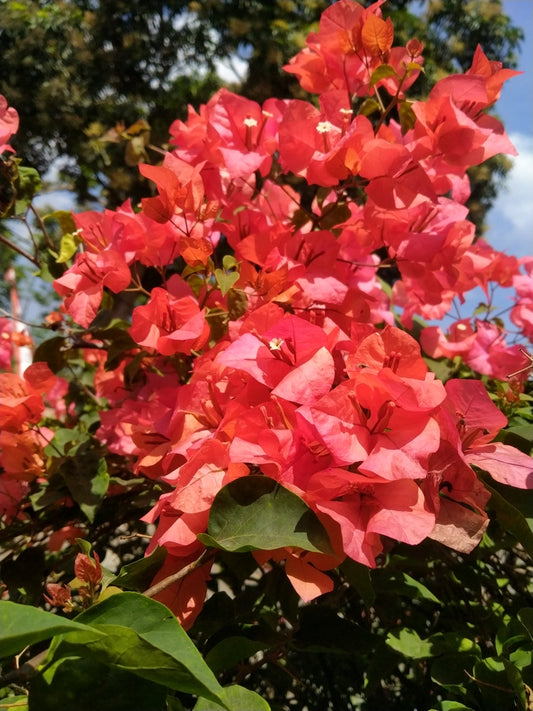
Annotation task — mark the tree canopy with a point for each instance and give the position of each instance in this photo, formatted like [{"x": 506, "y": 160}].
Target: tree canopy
[{"x": 77, "y": 69}]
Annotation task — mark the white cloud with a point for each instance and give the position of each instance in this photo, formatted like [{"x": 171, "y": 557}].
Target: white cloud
[{"x": 511, "y": 219}]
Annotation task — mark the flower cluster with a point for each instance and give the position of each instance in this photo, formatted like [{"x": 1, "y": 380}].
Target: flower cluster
[
  {"x": 22, "y": 442},
  {"x": 266, "y": 340}
]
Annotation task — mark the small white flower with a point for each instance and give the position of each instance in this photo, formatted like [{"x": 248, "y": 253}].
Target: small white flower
[
  {"x": 275, "y": 344},
  {"x": 324, "y": 127}
]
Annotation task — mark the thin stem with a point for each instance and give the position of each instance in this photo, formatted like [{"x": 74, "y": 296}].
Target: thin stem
[
  {"x": 170, "y": 579},
  {"x": 5, "y": 313},
  {"x": 156, "y": 149},
  {"x": 42, "y": 226},
  {"x": 84, "y": 387},
  {"x": 26, "y": 671},
  {"x": 20, "y": 251}
]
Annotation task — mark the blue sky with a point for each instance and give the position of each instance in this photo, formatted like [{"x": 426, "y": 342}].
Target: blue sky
[{"x": 511, "y": 220}]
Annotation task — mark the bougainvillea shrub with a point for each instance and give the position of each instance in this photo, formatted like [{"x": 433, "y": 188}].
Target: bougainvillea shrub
[{"x": 255, "y": 360}]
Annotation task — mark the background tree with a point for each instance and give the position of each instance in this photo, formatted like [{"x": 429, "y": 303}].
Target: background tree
[{"x": 77, "y": 68}]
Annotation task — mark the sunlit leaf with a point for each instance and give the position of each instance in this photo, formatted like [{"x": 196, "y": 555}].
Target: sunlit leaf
[
  {"x": 256, "y": 513},
  {"x": 23, "y": 625}
]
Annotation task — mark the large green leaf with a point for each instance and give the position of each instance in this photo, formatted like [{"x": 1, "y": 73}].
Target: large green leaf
[
  {"x": 159, "y": 648},
  {"x": 236, "y": 698},
  {"x": 510, "y": 516},
  {"x": 85, "y": 684},
  {"x": 124, "y": 649},
  {"x": 23, "y": 625},
  {"x": 256, "y": 513}
]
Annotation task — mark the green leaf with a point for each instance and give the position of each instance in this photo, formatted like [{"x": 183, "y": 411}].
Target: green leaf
[
  {"x": 23, "y": 625},
  {"x": 67, "y": 247},
  {"x": 510, "y": 517},
  {"x": 407, "y": 116},
  {"x": 525, "y": 616},
  {"x": 84, "y": 546},
  {"x": 174, "y": 704},
  {"x": 232, "y": 650},
  {"x": 358, "y": 575},
  {"x": 450, "y": 672},
  {"x": 369, "y": 106},
  {"x": 236, "y": 698},
  {"x": 225, "y": 280},
  {"x": 139, "y": 574},
  {"x": 382, "y": 72},
  {"x": 256, "y": 513},
  {"x": 519, "y": 436},
  {"x": 117, "y": 341},
  {"x": 28, "y": 183},
  {"x": 451, "y": 706},
  {"x": 334, "y": 214},
  {"x": 23, "y": 576},
  {"x": 515, "y": 679},
  {"x": 522, "y": 659},
  {"x": 229, "y": 262},
  {"x": 54, "y": 352},
  {"x": 498, "y": 681},
  {"x": 409, "y": 643},
  {"x": 182, "y": 666},
  {"x": 86, "y": 684},
  {"x": 237, "y": 304},
  {"x": 14, "y": 703},
  {"x": 66, "y": 441},
  {"x": 452, "y": 643},
  {"x": 125, "y": 649},
  {"x": 87, "y": 480},
  {"x": 399, "y": 583},
  {"x": 64, "y": 218},
  {"x": 521, "y": 499}
]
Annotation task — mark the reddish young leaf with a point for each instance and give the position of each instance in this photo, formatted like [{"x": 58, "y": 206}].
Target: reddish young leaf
[{"x": 377, "y": 35}]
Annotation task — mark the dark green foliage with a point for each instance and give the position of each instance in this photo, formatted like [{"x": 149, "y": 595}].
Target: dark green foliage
[{"x": 75, "y": 69}]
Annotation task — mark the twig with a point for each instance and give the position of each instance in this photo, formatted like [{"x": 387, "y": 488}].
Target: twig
[
  {"x": 486, "y": 683},
  {"x": 526, "y": 367},
  {"x": 166, "y": 582},
  {"x": 20, "y": 251},
  {"x": 26, "y": 671}
]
